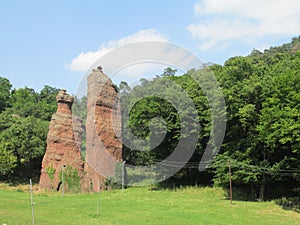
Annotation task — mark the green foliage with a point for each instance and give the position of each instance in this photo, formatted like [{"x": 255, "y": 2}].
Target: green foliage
[
  {"x": 71, "y": 178},
  {"x": 115, "y": 182},
  {"x": 47, "y": 102},
  {"x": 80, "y": 108},
  {"x": 79, "y": 111},
  {"x": 25, "y": 139},
  {"x": 169, "y": 72},
  {"x": 50, "y": 172},
  {"x": 289, "y": 203},
  {"x": 124, "y": 87},
  {"x": 24, "y": 121},
  {"x": 7, "y": 160},
  {"x": 155, "y": 110},
  {"x": 262, "y": 138},
  {"x": 26, "y": 102},
  {"x": 5, "y": 87}
]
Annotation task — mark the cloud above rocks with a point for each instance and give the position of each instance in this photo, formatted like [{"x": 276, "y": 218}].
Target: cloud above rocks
[
  {"x": 219, "y": 22},
  {"x": 84, "y": 60}
]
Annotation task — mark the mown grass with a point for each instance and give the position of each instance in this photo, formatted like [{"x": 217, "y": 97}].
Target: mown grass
[{"x": 140, "y": 206}]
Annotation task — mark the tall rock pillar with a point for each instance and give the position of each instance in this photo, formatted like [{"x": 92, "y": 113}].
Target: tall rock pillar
[
  {"x": 62, "y": 149},
  {"x": 103, "y": 130}
]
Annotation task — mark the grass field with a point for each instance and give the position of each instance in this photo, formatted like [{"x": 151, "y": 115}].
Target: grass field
[{"x": 139, "y": 206}]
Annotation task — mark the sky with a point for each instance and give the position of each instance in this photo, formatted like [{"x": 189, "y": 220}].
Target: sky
[{"x": 55, "y": 42}]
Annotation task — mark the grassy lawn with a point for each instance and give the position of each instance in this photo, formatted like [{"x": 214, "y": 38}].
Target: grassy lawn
[{"x": 140, "y": 206}]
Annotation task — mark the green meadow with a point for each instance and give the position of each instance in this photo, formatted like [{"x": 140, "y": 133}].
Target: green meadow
[{"x": 142, "y": 205}]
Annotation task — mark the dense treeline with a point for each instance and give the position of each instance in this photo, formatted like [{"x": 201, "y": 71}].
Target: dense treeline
[
  {"x": 24, "y": 121},
  {"x": 262, "y": 92},
  {"x": 262, "y": 140}
]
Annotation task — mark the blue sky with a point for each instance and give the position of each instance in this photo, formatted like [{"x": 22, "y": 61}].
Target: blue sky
[{"x": 54, "y": 42}]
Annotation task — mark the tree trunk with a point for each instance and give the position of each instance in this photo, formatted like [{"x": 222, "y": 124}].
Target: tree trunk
[
  {"x": 263, "y": 181},
  {"x": 262, "y": 188}
]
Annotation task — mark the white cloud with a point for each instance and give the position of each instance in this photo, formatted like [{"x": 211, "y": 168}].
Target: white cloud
[
  {"x": 84, "y": 60},
  {"x": 248, "y": 20}
]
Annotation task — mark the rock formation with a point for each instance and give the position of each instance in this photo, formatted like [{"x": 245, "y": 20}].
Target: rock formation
[
  {"x": 62, "y": 149},
  {"x": 103, "y": 136},
  {"x": 103, "y": 129}
]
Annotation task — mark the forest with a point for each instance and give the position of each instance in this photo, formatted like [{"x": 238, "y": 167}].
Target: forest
[{"x": 262, "y": 138}]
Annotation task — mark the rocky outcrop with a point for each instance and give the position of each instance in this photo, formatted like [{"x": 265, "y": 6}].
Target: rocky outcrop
[
  {"x": 103, "y": 129},
  {"x": 103, "y": 136},
  {"x": 62, "y": 149}
]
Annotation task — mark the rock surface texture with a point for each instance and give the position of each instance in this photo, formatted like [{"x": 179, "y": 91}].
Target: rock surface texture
[
  {"x": 103, "y": 130},
  {"x": 62, "y": 149}
]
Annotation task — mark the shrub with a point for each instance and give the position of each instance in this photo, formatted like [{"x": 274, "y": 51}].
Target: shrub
[{"x": 71, "y": 178}]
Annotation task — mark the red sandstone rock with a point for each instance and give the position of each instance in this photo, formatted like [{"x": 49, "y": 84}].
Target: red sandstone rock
[
  {"x": 62, "y": 149},
  {"x": 103, "y": 136},
  {"x": 103, "y": 130}
]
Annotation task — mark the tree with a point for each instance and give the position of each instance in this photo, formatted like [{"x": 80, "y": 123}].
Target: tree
[
  {"x": 27, "y": 102},
  {"x": 25, "y": 140},
  {"x": 242, "y": 87},
  {"x": 166, "y": 98},
  {"x": 262, "y": 137},
  {"x": 124, "y": 87},
  {"x": 24, "y": 102},
  {"x": 24, "y": 121},
  {"x": 5, "y": 87},
  {"x": 279, "y": 127},
  {"x": 7, "y": 161},
  {"x": 169, "y": 72},
  {"x": 79, "y": 113},
  {"x": 47, "y": 102}
]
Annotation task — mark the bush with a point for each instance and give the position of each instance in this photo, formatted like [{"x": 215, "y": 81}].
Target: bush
[
  {"x": 51, "y": 173},
  {"x": 71, "y": 178},
  {"x": 289, "y": 203}
]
